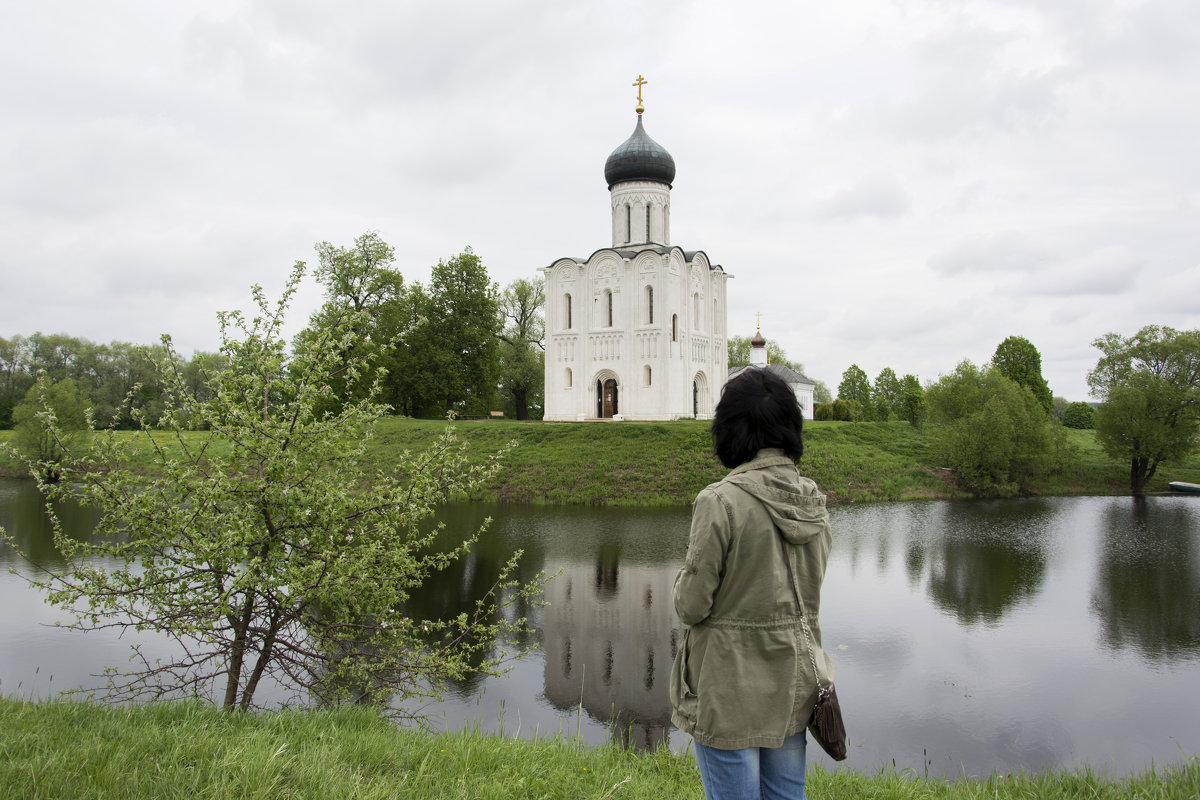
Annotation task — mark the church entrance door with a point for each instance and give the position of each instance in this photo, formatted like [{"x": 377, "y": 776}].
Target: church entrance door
[{"x": 606, "y": 398}]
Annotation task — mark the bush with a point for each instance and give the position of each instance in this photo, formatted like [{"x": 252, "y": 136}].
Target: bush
[
  {"x": 847, "y": 410},
  {"x": 1080, "y": 416},
  {"x": 49, "y": 422},
  {"x": 823, "y": 412},
  {"x": 995, "y": 433}
]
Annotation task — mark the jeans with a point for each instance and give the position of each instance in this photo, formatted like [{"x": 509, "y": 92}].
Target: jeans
[{"x": 769, "y": 773}]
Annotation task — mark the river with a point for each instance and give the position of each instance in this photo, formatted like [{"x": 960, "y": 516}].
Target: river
[{"x": 970, "y": 637}]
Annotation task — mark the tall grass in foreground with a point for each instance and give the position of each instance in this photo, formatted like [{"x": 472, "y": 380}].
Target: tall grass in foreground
[{"x": 66, "y": 750}]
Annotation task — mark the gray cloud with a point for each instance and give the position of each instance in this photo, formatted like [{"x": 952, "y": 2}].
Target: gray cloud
[
  {"x": 879, "y": 196},
  {"x": 1005, "y": 252},
  {"x": 160, "y": 159}
]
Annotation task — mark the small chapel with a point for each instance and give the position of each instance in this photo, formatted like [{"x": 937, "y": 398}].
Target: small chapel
[{"x": 636, "y": 331}]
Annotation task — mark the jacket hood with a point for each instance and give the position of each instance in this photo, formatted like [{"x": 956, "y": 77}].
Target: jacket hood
[{"x": 795, "y": 505}]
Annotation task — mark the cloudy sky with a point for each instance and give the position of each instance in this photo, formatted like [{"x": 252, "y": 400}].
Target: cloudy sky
[{"x": 891, "y": 183}]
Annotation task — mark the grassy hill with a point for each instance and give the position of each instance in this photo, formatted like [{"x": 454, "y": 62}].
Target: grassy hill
[{"x": 667, "y": 463}]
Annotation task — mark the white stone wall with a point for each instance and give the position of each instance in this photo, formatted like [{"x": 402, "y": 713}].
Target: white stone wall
[
  {"x": 630, "y": 203},
  {"x": 804, "y": 396},
  {"x": 605, "y": 331}
]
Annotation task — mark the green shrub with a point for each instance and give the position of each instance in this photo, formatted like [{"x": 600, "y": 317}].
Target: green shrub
[
  {"x": 848, "y": 410},
  {"x": 995, "y": 432},
  {"x": 1080, "y": 416},
  {"x": 48, "y": 444}
]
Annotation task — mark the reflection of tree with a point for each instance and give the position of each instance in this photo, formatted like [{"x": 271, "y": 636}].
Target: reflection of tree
[
  {"x": 991, "y": 558},
  {"x": 23, "y": 517},
  {"x": 608, "y": 561},
  {"x": 458, "y": 588},
  {"x": 914, "y": 560},
  {"x": 1147, "y": 593}
]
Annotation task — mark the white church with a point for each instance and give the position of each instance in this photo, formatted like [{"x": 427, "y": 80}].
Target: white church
[{"x": 636, "y": 330}]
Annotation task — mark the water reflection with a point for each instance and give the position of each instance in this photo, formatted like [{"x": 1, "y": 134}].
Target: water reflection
[
  {"x": 465, "y": 581},
  {"x": 608, "y": 630},
  {"x": 610, "y": 636},
  {"x": 988, "y": 558},
  {"x": 1147, "y": 592},
  {"x": 23, "y": 517},
  {"x": 969, "y": 637}
]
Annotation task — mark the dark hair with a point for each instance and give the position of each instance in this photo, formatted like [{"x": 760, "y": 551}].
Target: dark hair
[{"x": 757, "y": 410}]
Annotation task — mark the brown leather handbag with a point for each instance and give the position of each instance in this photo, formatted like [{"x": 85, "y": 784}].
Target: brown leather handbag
[{"x": 825, "y": 724}]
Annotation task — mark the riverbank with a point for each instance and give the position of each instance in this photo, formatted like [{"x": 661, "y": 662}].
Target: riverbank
[
  {"x": 172, "y": 750},
  {"x": 666, "y": 464}
]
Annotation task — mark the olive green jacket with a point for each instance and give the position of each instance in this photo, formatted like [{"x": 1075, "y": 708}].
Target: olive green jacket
[{"x": 743, "y": 676}]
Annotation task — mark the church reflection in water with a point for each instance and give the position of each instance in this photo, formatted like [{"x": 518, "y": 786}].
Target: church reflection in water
[{"x": 610, "y": 634}]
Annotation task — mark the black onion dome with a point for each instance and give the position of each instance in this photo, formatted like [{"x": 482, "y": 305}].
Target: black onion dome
[
  {"x": 640, "y": 158},
  {"x": 758, "y": 340}
]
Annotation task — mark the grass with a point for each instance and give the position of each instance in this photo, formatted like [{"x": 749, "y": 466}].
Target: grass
[
  {"x": 667, "y": 463},
  {"x": 175, "y": 750}
]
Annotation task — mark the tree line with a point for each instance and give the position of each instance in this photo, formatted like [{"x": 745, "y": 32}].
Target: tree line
[
  {"x": 459, "y": 344},
  {"x": 1000, "y": 427},
  {"x": 463, "y": 346}
]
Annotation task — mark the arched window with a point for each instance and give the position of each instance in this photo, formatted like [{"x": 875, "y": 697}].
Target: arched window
[
  {"x": 568, "y": 376},
  {"x": 647, "y": 374},
  {"x": 650, "y": 305},
  {"x": 567, "y": 309},
  {"x": 628, "y": 223},
  {"x": 608, "y": 307},
  {"x": 647, "y": 223},
  {"x": 674, "y": 327}
]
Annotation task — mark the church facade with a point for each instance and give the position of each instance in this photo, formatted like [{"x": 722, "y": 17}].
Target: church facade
[{"x": 637, "y": 330}]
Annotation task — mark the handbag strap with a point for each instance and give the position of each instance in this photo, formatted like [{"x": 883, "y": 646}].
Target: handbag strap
[{"x": 783, "y": 546}]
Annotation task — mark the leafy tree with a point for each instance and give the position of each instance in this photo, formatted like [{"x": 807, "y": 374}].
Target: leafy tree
[
  {"x": 821, "y": 393},
  {"x": 823, "y": 411},
  {"x": 1079, "y": 415},
  {"x": 464, "y": 323},
  {"x": 995, "y": 434},
  {"x": 360, "y": 284},
  {"x": 411, "y": 386},
  {"x": 1018, "y": 360},
  {"x": 277, "y": 555},
  {"x": 913, "y": 408},
  {"x": 50, "y": 423},
  {"x": 739, "y": 354},
  {"x": 359, "y": 278},
  {"x": 522, "y": 345},
  {"x": 1059, "y": 406},
  {"x": 886, "y": 395},
  {"x": 15, "y": 379},
  {"x": 855, "y": 386},
  {"x": 1150, "y": 385},
  {"x": 52, "y": 355}
]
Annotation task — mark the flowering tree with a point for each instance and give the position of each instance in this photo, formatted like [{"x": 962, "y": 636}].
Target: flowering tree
[{"x": 262, "y": 545}]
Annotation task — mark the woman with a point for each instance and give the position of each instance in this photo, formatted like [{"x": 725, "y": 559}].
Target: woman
[{"x": 742, "y": 684}]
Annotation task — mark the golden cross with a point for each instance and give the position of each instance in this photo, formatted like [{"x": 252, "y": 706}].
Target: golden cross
[
  {"x": 639, "y": 83},
  {"x": 758, "y": 321}
]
